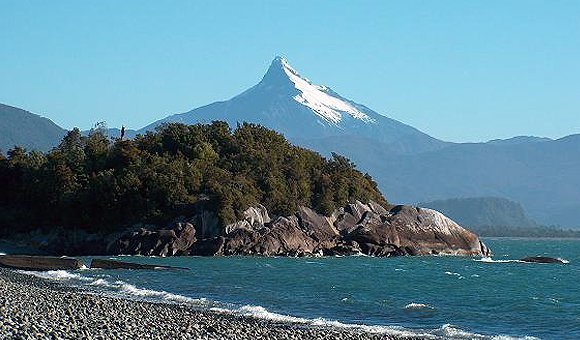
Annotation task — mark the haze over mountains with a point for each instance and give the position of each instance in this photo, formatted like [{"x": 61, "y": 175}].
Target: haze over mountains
[
  {"x": 409, "y": 165},
  {"x": 483, "y": 211}
]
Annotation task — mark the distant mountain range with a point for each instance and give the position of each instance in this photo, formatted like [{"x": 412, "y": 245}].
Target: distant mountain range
[
  {"x": 483, "y": 211},
  {"x": 496, "y": 217},
  {"x": 22, "y": 128},
  {"x": 409, "y": 165}
]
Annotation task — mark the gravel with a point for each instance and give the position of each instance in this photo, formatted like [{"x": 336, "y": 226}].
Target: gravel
[{"x": 35, "y": 308}]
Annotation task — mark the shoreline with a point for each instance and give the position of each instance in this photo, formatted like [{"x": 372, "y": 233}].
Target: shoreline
[{"x": 34, "y": 307}]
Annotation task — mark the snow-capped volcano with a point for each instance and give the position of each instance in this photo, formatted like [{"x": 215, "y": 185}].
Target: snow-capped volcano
[
  {"x": 308, "y": 114},
  {"x": 318, "y": 98}
]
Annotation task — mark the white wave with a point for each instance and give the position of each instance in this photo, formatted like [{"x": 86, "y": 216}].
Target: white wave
[
  {"x": 394, "y": 331},
  {"x": 449, "y": 331},
  {"x": 58, "y": 275},
  {"x": 162, "y": 295},
  {"x": 414, "y": 305},
  {"x": 128, "y": 290},
  {"x": 2, "y": 253},
  {"x": 490, "y": 260},
  {"x": 262, "y": 313},
  {"x": 118, "y": 286},
  {"x": 459, "y": 276},
  {"x": 100, "y": 282}
]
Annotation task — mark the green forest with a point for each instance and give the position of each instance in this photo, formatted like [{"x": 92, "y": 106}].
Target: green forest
[{"x": 99, "y": 184}]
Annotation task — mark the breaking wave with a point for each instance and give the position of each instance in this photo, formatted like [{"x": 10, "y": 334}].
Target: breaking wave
[
  {"x": 414, "y": 305},
  {"x": 490, "y": 260},
  {"x": 116, "y": 288},
  {"x": 58, "y": 275},
  {"x": 126, "y": 290}
]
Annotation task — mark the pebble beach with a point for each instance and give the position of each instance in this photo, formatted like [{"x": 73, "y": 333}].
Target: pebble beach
[{"x": 36, "y": 308}]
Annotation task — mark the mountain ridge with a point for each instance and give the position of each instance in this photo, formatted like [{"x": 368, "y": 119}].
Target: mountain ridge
[
  {"x": 19, "y": 127},
  {"x": 482, "y": 211},
  {"x": 408, "y": 164},
  {"x": 292, "y": 105}
]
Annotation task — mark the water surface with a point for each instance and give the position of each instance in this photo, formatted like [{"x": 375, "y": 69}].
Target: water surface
[{"x": 451, "y": 296}]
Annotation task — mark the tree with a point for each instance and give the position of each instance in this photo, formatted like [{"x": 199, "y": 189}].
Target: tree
[{"x": 96, "y": 184}]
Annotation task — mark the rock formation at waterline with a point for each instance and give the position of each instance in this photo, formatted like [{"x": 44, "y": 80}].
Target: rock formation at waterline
[
  {"x": 164, "y": 242},
  {"x": 357, "y": 228},
  {"x": 39, "y": 262}
]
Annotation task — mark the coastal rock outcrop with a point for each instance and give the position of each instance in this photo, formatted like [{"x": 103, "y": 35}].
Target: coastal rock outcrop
[
  {"x": 407, "y": 230},
  {"x": 113, "y": 264},
  {"x": 357, "y": 228},
  {"x": 25, "y": 262},
  {"x": 542, "y": 259},
  {"x": 165, "y": 242}
]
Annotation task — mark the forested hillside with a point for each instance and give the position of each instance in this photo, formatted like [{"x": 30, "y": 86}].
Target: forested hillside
[{"x": 97, "y": 184}]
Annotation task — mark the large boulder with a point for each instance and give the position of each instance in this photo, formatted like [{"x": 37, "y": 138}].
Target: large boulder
[
  {"x": 282, "y": 237},
  {"x": 417, "y": 231},
  {"x": 165, "y": 242}
]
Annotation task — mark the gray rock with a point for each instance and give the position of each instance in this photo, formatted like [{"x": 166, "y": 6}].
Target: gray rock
[
  {"x": 25, "y": 262},
  {"x": 356, "y": 228},
  {"x": 164, "y": 242},
  {"x": 112, "y": 264},
  {"x": 542, "y": 259}
]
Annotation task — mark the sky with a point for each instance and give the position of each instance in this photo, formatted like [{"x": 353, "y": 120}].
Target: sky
[{"x": 462, "y": 71}]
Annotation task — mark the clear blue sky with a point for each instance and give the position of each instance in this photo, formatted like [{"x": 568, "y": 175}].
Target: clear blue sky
[{"x": 458, "y": 70}]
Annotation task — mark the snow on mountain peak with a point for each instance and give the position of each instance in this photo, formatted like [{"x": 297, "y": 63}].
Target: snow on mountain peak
[{"x": 317, "y": 97}]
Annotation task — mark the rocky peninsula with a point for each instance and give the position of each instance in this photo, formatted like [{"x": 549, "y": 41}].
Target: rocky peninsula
[
  {"x": 355, "y": 229},
  {"x": 208, "y": 190}
]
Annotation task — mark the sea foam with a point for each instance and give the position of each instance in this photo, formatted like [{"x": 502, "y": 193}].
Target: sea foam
[
  {"x": 59, "y": 275},
  {"x": 490, "y": 260},
  {"x": 262, "y": 313},
  {"x": 414, "y": 305},
  {"x": 123, "y": 289}
]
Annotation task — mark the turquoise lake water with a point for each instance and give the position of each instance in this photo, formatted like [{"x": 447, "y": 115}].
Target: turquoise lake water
[{"x": 448, "y": 296}]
